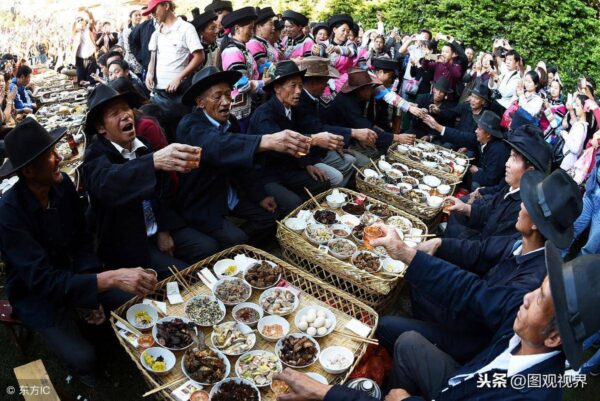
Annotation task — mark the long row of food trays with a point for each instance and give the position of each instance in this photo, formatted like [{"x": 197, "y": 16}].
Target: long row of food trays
[
  {"x": 339, "y": 231},
  {"x": 206, "y": 363},
  {"x": 434, "y": 157}
]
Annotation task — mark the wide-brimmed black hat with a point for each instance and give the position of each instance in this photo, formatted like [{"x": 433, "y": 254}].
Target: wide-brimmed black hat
[
  {"x": 203, "y": 20},
  {"x": 358, "y": 78},
  {"x": 25, "y": 142},
  {"x": 482, "y": 91},
  {"x": 204, "y": 79},
  {"x": 239, "y": 17},
  {"x": 553, "y": 202},
  {"x": 384, "y": 63},
  {"x": 338, "y": 19},
  {"x": 490, "y": 123},
  {"x": 282, "y": 71},
  {"x": 264, "y": 14},
  {"x": 443, "y": 85},
  {"x": 100, "y": 96},
  {"x": 528, "y": 141},
  {"x": 574, "y": 288},
  {"x": 318, "y": 26},
  {"x": 296, "y": 18},
  {"x": 218, "y": 5}
]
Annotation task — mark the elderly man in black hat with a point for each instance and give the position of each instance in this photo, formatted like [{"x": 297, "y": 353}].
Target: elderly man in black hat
[
  {"x": 53, "y": 273},
  {"x": 533, "y": 333},
  {"x": 131, "y": 193},
  {"x": 436, "y": 103},
  {"x": 462, "y": 136},
  {"x": 228, "y": 183},
  {"x": 296, "y": 43},
  {"x": 508, "y": 261},
  {"x": 495, "y": 209},
  {"x": 208, "y": 31}
]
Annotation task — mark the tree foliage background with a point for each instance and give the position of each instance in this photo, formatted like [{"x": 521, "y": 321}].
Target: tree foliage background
[{"x": 560, "y": 32}]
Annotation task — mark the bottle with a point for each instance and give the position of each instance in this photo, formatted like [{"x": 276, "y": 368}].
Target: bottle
[
  {"x": 72, "y": 144},
  {"x": 366, "y": 385}
]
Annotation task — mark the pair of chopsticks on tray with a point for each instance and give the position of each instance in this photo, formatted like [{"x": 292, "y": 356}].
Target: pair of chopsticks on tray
[
  {"x": 181, "y": 280},
  {"x": 164, "y": 386},
  {"x": 354, "y": 337}
]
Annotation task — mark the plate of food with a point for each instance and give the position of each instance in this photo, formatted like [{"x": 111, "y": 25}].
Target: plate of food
[
  {"x": 174, "y": 333},
  {"x": 318, "y": 234},
  {"x": 248, "y": 313},
  {"x": 379, "y": 210},
  {"x": 297, "y": 350},
  {"x": 404, "y": 224},
  {"x": 232, "y": 290},
  {"x": 205, "y": 366},
  {"x": 142, "y": 316},
  {"x": 234, "y": 389},
  {"x": 226, "y": 268},
  {"x": 278, "y": 301},
  {"x": 336, "y": 359},
  {"x": 158, "y": 360},
  {"x": 233, "y": 338},
  {"x": 341, "y": 248},
  {"x": 263, "y": 275},
  {"x": 315, "y": 321},
  {"x": 259, "y": 367},
  {"x": 205, "y": 310},
  {"x": 367, "y": 261},
  {"x": 354, "y": 208}
]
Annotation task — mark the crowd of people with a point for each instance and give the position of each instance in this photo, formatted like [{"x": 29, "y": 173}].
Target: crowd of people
[{"x": 235, "y": 113}]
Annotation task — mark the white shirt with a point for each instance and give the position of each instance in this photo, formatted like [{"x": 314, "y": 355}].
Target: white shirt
[
  {"x": 513, "y": 364},
  {"x": 511, "y": 191},
  {"x": 507, "y": 86},
  {"x": 86, "y": 48},
  {"x": 129, "y": 155},
  {"x": 173, "y": 46}
]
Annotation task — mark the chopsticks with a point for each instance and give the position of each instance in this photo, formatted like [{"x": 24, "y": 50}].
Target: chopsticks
[
  {"x": 354, "y": 337},
  {"x": 164, "y": 386},
  {"x": 155, "y": 306},
  {"x": 126, "y": 323},
  {"x": 312, "y": 197},
  {"x": 358, "y": 170},
  {"x": 179, "y": 277},
  {"x": 376, "y": 168}
]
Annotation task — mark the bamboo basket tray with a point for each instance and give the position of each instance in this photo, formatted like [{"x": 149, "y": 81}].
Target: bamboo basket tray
[
  {"x": 314, "y": 292},
  {"x": 395, "y": 156},
  {"x": 376, "y": 290},
  {"x": 429, "y": 215}
]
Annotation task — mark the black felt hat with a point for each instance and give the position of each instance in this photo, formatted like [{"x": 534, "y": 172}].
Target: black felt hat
[
  {"x": 318, "y": 26},
  {"x": 296, "y": 18},
  {"x": 528, "y": 141},
  {"x": 219, "y": 5},
  {"x": 264, "y": 14},
  {"x": 443, "y": 85},
  {"x": 204, "y": 79},
  {"x": 338, "y": 19},
  {"x": 100, "y": 96},
  {"x": 383, "y": 63},
  {"x": 284, "y": 70},
  {"x": 204, "y": 19},
  {"x": 490, "y": 123},
  {"x": 482, "y": 91},
  {"x": 239, "y": 16}
]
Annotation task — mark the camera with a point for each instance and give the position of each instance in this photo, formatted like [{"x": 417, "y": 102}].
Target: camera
[{"x": 495, "y": 94}]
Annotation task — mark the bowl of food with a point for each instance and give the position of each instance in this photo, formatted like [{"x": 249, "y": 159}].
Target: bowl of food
[
  {"x": 370, "y": 173},
  {"x": 341, "y": 248},
  {"x": 435, "y": 201},
  {"x": 142, "y": 316},
  {"x": 263, "y": 275},
  {"x": 248, "y": 313},
  {"x": 295, "y": 224},
  {"x": 444, "y": 189},
  {"x": 297, "y": 350},
  {"x": 429, "y": 164},
  {"x": 404, "y": 224},
  {"x": 258, "y": 367},
  {"x": 400, "y": 166},
  {"x": 273, "y": 327},
  {"x": 205, "y": 310},
  {"x": 336, "y": 359},
  {"x": 324, "y": 216},
  {"x": 318, "y": 234},
  {"x": 432, "y": 181},
  {"x": 174, "y": 333},
  {"x": 377, "y": 181},
  {"x": 459, "y": 169},
  {"x": 417, "y": 196},
  {"x": 394, "y": 174},
  {"x": 315, "y": 321},
  {"x": 279, "y": 387},
  {"x": 199, "y": 395},
  {"x": 158, "y": 360},
  {"x": 278, "y": 301},
  {"x": 354, "y": 208},
  {"x": 413, "y": 182},
  {"x": 232, "y": 290},
  {"x": 226, "y": 268},
  {"x": 393, "y": 188},
  {"x": 358, "y": 233},
  {"x": 205, "y": 366},
  {"x": 460, "y": 161},
  {"x": 233, "y": 338},
  {"x": 369, "y": 219},
  {"x": 350, "y": 220},
  {"x": 335, "y": 200},
  {"x": 384, "y": 165},
  {"x": 424, "y": 187},
  {"x": 367, "y": 261},
  {"x": 402, "y": 149},
  {"x": 379, "y": 210},
  {"x": 341, "y": 230},
  {"x": 234, "y": 388}
]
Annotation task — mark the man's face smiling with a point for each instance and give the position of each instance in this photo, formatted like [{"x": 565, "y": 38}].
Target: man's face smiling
[{"x": 117, "y": 123}]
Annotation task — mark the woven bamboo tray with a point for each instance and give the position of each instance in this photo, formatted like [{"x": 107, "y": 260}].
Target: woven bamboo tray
[
  {"x": 314, "y": 292},
  {"x": 375, "y": 290},
  {"x": 394, "y": 156},
  {"x": 429, "y": 215}
]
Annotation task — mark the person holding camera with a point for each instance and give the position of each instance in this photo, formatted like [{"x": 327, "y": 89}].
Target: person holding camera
[
  {"x": 503, "y": 82},
  {"x": 84, "y": 46}
]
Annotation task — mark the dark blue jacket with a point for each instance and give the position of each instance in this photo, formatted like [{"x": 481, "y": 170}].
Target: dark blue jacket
[
  {"x": 270, "y": 118},
  {"x": 491, "y": 163},
  {"x": 117, "y": 188},
  {"x": 418, "y": 127},
  {"x": 139, "y": 38},
  {"x": 347, "y": 110},
  {"x": 227, "y": 159},
  {"x": 463, "y": 134},
  {"x": 49, "y": 254},
  {"x": 495, "y": 307}
]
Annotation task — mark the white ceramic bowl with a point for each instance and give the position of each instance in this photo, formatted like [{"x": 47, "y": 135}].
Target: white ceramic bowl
[
  {"x": 350, "y": 220},
  {"x": 356, "y": 254},
  {"x": 273, "y": 265},
  {"x": 330, "y": 354},
  {"x": 168, "y": 319},
  {"x": 155, "y": 352},
  {"x": 370, "y": 173},
  {"x": 342, "y": 227},
  {"x": 239, "y": 380},
  {"x": 460, "y": 161},
  {"x": 459, "y": 168},
  {"x": 243, "y": 305},
  {"x": 279, "y": 346},
  {"x": 402, "y": 149},
  {"x": 295, "y": 224},
  {"x": 312, "y": 228},
  {"x": 429, "y": 164},
  {"x": 340, "y": 255},
  {"x": 222, "y": 265},
  {"x": 400, "y": 222},
  {"x": 233, "y": 279},
  {"x": 335, "y": 202},
  {"x": 213, "y": 298},
  {"x": 268, "y": 292},
  {"x": 435, "y": 201},
  {"x": 393, "y": 266},
  {"x": 221, "y": 356},
  {"x": 444, "y": 189},
  {"x": 306, "y": 311},
  {"x": 134, "y": 309},
  {"x": 269, "y": 320},
  {"x": 384, "y": 166},
  {"x": 432, "y": 181},
  {"x": 244, "y": 328},
  {"x": 238, "y": 368}
]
